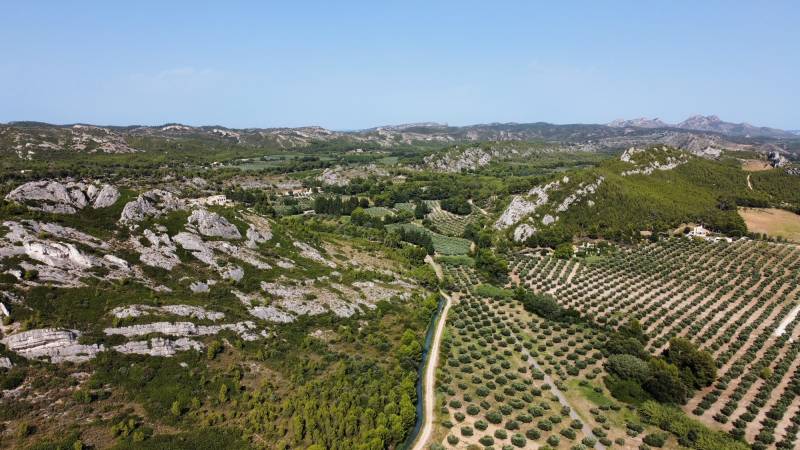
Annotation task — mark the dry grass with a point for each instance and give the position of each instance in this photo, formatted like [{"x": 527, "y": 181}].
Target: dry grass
[
  {"x": 773, "y": 222},
  {"x": 755, "y": 165}
]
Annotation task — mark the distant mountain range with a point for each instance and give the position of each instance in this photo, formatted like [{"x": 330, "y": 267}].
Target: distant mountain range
[
  {"x": 711, "y": 124},
  {"x": 698, "y": 134}
]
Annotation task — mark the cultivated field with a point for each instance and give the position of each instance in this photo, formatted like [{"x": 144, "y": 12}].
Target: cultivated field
[
  {"x": 739, "y": 301},
  {"x": 448, "y": 223},
  {"x": 772, "y": 222},
  {"x": 511, "y": 378}
]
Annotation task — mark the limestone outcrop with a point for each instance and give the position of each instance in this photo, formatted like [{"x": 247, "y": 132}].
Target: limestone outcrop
[
  {"x": 212, "y": 224},
  {"x": 153, "y": 203},
  {"x": 64, "y": 197},
  {"x": 53, "y": 344}
]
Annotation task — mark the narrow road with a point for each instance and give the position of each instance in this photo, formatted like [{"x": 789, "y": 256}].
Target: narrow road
[
  {"x": 430, "y": 378},
  {"x": 749, "y": 185},
  {"x": 429, "y": 382}
]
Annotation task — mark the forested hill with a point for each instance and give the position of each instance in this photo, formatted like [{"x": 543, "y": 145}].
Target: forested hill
[{"x": 653, "y": 190}]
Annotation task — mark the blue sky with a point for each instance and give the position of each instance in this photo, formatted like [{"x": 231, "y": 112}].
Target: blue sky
[{"x": 347, "y": 65}]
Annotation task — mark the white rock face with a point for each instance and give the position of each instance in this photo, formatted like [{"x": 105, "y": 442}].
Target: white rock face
[
  {"x": 28, "y": 230},
  {"x": 204, "y": 251},
  {"x": 232, "y": 272},
  {"x": 523, "y": 232},
  {"x": 313, "y": 254},
  {"x": 271, "y": 314},
  {"x": 197, "y": 312},
  {"x": 64, "y": 197},
  {"x": 777, "y": 160},
  {"x": 211, "y": 200},
  {"x": 645, "y": 167},
  {"x": 258, "y": 232},
  {"x": 152, "y": 203},
  {"x": 268, "y": 313},
  {"x": 374, "y": 292},
  {"x": 107, "y": 196},
  {"x": 332, "y": 177},
  {"x": 469, "y": 159},
  {"x": 159, "y": 347},
  {"x": 159, "y": 253},
  {"x": 194, "y": 244},
  {"x": 57, "y": 254},
  {"x": 198, "y": 287},
  {"x": 213, "y": 225},
  {"x": 61, "y": 263},
  {"x": 520, "y": 207},
  {"x": 5, "y": 363},
  {"x": 184, "y": 329},
  {"x": 581, "y": 192},
  {"x": 57, "y": 345},
  {"x": 627, "y": 155}
]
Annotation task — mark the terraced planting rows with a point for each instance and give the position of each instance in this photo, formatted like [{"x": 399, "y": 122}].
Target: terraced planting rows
[
  {"x": 448, "y": 223},
  {"x": 444, "y": 245},
  {"x": 510, "y": 379},
  {"x": 739, "y": 301}
]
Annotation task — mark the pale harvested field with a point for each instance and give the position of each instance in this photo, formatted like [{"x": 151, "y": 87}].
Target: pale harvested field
[
  {"x": 772, "y": 221},
  {"x": 755, "y": 165}
]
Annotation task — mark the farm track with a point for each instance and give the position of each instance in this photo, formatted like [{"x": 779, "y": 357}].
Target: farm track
[{"x": 432, "y": 364}]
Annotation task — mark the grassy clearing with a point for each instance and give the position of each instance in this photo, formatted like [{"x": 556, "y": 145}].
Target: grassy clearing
[{"x": 772, "y": 222}]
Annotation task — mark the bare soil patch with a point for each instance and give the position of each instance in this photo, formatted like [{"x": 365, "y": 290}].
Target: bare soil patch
[{"x": 755, "y": 165}]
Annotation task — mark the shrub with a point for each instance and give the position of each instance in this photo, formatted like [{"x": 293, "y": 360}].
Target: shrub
[
  {"x": 500, "y": 434},
  {"x": 655, "y": 439},
  {"x": 518, "y": 440},
  {"x": 494, "y": 417},
  {"x": 452, "y": 440},
  {"x": 568, "y": 433},
  {"x": 466, "y": 431},
  {"x": 486, "y": 441}
]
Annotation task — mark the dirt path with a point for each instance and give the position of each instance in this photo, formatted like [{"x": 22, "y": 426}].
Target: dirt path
[
  {"x": 749, "y": 185},
  {"x": 432, "y": 364},
  {"x": 430, "y": 377},
  {"x": 436, "y": 267},
  {"x": 483, "y": 211}
]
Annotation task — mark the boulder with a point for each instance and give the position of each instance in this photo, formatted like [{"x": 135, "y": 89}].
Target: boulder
[
  {"x": 57, "y": 254},
  {"x": 777, "y": 160},
  {"x": 63, "y": 197},
  {"x": 153, "y": 203},
  {"x": 213, "y": 225}
]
